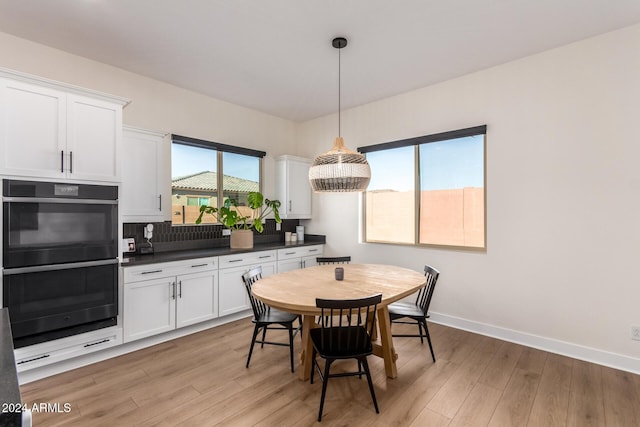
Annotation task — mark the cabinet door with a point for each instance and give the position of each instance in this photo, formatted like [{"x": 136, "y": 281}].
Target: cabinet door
[
  {"x": 309, "y": 261},
  {"x": 289, "y": 264},
  {"x": 197, "y": 298},
  {"x": 142, "y": 179},
  {"x": 232, "y": 296},
  {"x": 268, "y": 268},
  {"x": 32, "y": 130},
  {"x": 93, "y": 139},
  {"x": 149, "y": 308},
  {"x": 299, "y": 203},
  {"x": 292, "y": 187}
]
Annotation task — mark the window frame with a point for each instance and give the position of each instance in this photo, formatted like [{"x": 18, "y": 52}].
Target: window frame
[
  {"x": 220, "y": 149},
  {"x": 416, "y": 142}
]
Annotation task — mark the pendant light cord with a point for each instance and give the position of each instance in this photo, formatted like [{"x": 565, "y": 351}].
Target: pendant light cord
[{"x": 339, "y": 94}]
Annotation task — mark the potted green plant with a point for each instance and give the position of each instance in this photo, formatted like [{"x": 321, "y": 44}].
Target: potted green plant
[{"x": 241, "y": 220}]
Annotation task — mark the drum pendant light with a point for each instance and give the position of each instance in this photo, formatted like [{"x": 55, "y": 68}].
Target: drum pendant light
[{"x": 339, "y": 169}]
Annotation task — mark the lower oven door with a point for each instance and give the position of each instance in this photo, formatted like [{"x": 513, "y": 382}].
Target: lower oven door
[{"x": 49, "y": 302}]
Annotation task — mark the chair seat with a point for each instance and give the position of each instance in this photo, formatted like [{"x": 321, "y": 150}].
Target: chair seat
[
  {"x": 403, "y": 309},
  {"x": 275, "y": 316}
]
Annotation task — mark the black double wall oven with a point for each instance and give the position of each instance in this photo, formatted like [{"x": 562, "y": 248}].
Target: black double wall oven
[{"x": 60, "y": 275}]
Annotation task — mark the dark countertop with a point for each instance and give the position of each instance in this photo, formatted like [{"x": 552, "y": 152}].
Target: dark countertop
[
  {"x": 169, "y": 256},
  {"x": 9, "y": 388}
]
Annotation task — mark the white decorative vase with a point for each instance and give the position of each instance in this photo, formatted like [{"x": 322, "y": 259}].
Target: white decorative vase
[{"x": 241, "y": 239}]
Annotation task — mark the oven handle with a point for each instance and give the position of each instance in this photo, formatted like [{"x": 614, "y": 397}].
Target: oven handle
[
  {"x": 54, "y": 267},
  {"x": 54, "y": 200}
]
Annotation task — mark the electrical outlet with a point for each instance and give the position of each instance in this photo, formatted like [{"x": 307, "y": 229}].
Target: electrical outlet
[
  {"x": 226, "y": 232},
  {"x": 635, "y": 333},
  {"x": 278, "y": 226}
]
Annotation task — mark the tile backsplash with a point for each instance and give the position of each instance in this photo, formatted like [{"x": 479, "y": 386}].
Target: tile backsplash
[{"x": 167, "y": 237}]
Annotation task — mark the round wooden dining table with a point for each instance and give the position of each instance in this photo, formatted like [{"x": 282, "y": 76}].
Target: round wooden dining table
[{"x": 296, "y": 292}]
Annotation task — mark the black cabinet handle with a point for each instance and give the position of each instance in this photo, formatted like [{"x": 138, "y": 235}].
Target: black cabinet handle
[
  {"x": 62, "y": 161},
  {"x": 180, "y": 289},
  {"x": 44, "y": 356},
  {"x": 235, "y": 260},
  {"x": 151, "y": 272},
  {"x": 198, "y": 265},
  {"x": 96, "y": 343},
  {"x": 160, "y": 203},
  {"x": 70, "y": 161}
]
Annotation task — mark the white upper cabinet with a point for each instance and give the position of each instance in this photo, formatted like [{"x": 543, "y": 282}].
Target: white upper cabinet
[
  {"x": 292, "y": 187},
  {"x": 144, "y": 187},
  {"x": 52, "y": 130},
  {"x": 94, "y": 134}
]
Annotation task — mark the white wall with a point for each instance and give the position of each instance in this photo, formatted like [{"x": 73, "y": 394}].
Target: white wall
[
  {"x": 563, "y": 196},
  {"x": 156, "y": 105}
]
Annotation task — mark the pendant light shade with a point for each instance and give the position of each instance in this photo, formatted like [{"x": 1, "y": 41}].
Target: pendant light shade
[{"x": 339, "y": 169}]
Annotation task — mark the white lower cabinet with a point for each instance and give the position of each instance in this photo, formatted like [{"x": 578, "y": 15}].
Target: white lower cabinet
[
  {"x": 233, "y": 297},
  {"x": 298, "y": 257},
  {"x": 162, "y": 297}
]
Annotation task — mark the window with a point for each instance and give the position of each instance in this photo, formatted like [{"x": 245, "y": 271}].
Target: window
[
  {"x": 200, "y": 168},
  {"x": 391, "y": 190},
  {"x": 427, "y": 190}
]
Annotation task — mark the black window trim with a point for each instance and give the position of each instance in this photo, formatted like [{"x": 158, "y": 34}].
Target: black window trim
[
  {"x": 194, "y": 142},
  {"x": 425, "y": 139}
]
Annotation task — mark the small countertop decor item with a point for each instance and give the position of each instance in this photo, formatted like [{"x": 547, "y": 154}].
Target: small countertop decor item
[
  {"x": 339, "y": 273},
  {"x": 241, "y": 220},
  {"x": 339, "y": 169}
]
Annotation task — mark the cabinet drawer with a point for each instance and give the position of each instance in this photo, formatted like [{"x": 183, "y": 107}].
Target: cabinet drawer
[
  {"x": 239, "y": 260},
  {"x": 166, "y": 269},
  {"x": 298, "y": 252},
  {"x": 65, "y": 348}
]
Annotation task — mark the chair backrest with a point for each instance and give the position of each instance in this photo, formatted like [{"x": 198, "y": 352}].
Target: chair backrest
[
  {"x": 347, "y": 325},
  {"x": 249, "y": 278},
  {"x": 333, "y": 260},
  {"x": 425, "y": 294}
]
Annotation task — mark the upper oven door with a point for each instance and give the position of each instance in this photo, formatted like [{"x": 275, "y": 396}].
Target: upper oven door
[{"x": 49, "y": 230}]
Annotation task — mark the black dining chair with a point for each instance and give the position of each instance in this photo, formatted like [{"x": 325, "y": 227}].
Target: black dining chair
[
  {"x": 417, "y": 312},
  {"x": 344, "y": 333},
  {"x": 333, "y": 260},
  {"x": 265, "y": 317}
]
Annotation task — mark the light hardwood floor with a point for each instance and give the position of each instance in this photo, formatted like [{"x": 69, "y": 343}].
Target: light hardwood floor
[{"x": 200, "y": 380}]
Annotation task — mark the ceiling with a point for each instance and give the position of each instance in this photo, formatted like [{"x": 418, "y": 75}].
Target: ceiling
[{"x": 276, "y": 56}]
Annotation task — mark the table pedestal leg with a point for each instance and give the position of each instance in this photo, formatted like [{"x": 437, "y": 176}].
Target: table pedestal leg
[
  {"x": 385, "y": 349},
  {"x": 304, "y": 370}
]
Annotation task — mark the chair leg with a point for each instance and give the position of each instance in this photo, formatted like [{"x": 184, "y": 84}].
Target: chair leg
[
  {"x": 256, "y": 329},
  {"x": 291, "y": 345},
  {"x": 365, "y": 364},
  {"x": 426, "y": 330},
  {"x": 264, "y": 334},
  {"x": 420, "y": 329},
  {"x": 327, "y": 366}
]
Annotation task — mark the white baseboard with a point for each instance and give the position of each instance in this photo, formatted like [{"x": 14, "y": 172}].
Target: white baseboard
[
  {"x": 588, "y": 354},
  {"x": 35, "y": 374}
]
